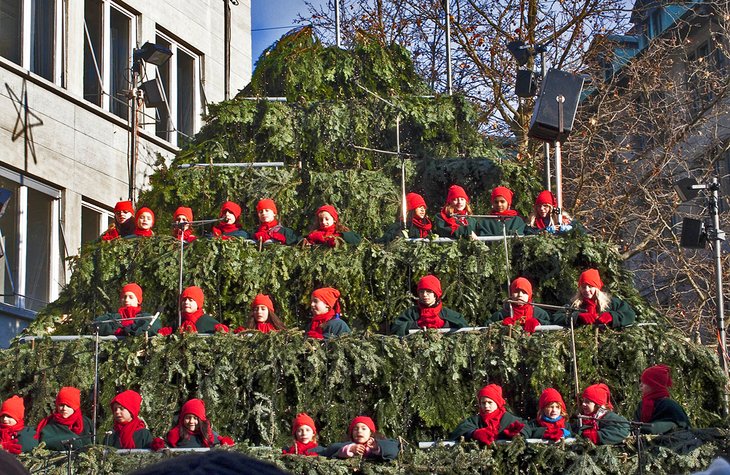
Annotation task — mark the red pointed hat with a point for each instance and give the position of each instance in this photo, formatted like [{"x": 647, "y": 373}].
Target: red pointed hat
[
  {"x": 658, "y": 376},
  {"x": 432, "y": 283},
  {"x": 455, "y": 191},
  {"x": 183, "y": 211},
  {"x": 70, "y": 397},
  {"x": 135, "y": 289},
  {"x": 124, "y": 206},
  {"x": 129, "y": 400},
  {"x": 302, "y": 419},
  {"x": 330, "y": 296},
  {"x": 232, "y": 207},
  {"x": 262, "y": 299},
  {"x": 591, "y": 277},
  {"x": 414, "y": 200},
  {"x": 361, "y": 420},
  {"x": 550, "y": 396},
  {"x": 598, "y": 394},
  {"x": 331, "y": 210},
  {"x": 493, "y": 392},
  {"x": 195, "y": 293},
  {"x": 195, "y": 407},
  {"x": 13, "y": 407},
  {"x": 504, "y": 192},
  {"x": 522, "y": 284},
  {"x": 266, "y": 203}
]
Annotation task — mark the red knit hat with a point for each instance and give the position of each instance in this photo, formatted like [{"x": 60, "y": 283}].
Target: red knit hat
[
  {"x": 232, "y": 207},
  {"x": 361, "y": 420},
  {"x": 522, "y": 284},
  {"x": 598, "y": 394},
  {"x": 658, "y": 376},
  {"x": 414, "y": 200},
  {"x": 135, "y": 289},
  {"x": 550, "y": 396},
  {"x": 70, "y": 397},
  {"x": 432, "y": 283},
  {"x": 590, "y": 277},
  {"x": 183, "y": 211},
  {"x": 331, "y": 210},
  {"x": 124, "y": 206},
  {"x": 546, "y": 198},
  {"x": 145, "y": 210},
  {"x": 493, "y": 392},
  {"x": 266, "y": 204},
  {"x": 129, "y": 400},
  {"x": 504, "y": 192},
  {"x": 330, "y": 296},
  {"x": 262, "y": 299},
  {"x": 455, "y": 191},
  {"x": 195, "y": 407},
  {"x": 13, "y": 407},
  {"x": 302, "y": 419},
  {"x": 195, "y": 293}
]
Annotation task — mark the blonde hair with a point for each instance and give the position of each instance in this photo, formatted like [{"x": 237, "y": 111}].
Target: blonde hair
[
  {"x": 602, "y": 298},
  {"x": 449, "y": 208},
  {"x": 564, "y": 217}
]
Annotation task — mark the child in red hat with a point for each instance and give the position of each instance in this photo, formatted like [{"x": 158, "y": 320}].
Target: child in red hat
[
  {"x": 544, "y": 216},
  {"x": 599, "y": 423},
  {"x": 181, "y": 230},
  {"x": 364, "y": 441},
  {"x": 129, "y": 431},
  {"x": 14, "y": 436},
  {"x": 305, "y": 437},
  {"x": 328, "y": 229},
  {"x": 194, "y": 318},
  {"x": 429, "y": 311},
  {"x": 552, "y": 417},
  {"x": 418, "y": 224},
  {"x": 493, "y": 422},
  {"x": 144, "y": 220},
  {"x": 326, "y": 321},
  {"x": 229, "y": 227},
  {"x": 66, "y": 423},
  {"x": 269, "y": 229},
  {"x": 451, "y": 222},
  {"x": 593, "y": 306},
  {"x": 510, "y": 222},
  {"x": 129, "y": 319},
  {"x": 123, "y": 224},
  {"x": 193, "y": 429},
  {"x": 656, "y": 407},
  {"x": 262, "y": 318},
  {"x": 522, "y": 313}
]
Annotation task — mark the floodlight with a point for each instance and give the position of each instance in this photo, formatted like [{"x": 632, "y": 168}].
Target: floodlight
[
  {"x": 519, "y": 51},
  {"x": 686, "y": 189},
  {"x": 152, "y": 53}
]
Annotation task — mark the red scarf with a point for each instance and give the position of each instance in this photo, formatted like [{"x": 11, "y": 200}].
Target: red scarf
[
  {"x": 126, "y": 432},
  {"x": 265, "y": 327},
  {"x": 318, "y": 322},
  {"x": 423, "y": 225},
  {"x": 590, "y": 306},
  {"x": 187, "y": 235},
  {"x": 264, "y": 232},
  {"x": 430, "y": 316},
  {"x": 225, "y": 228},
  {"x": 492, "y": 420},
  {"x": 143, "y": 232},
  {"x": 8, "y": 433},
  {"x": 189, "y": 321},
  {"x": 559, "y": 424},
  {"x": 509, "y": 212},
  {"x": 128, "y": 314},
  {"x": 452, "y": 221},
  {"x": 649, "y": 400},
  {"x": 179, "y": 432},
  {"x": 74, "y": 423},
  {"x": 110, "y": 235},
  {"x": 542, "y": 223},
  {"x": 521, "y": 312},
  {"x": 324, "y": 235},
  {"x": 301, "y": 449}
]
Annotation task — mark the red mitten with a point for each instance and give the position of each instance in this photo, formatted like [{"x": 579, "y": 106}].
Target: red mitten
[
  {"x": 509, "y": 321},
  {"x": 12, "y": 446},
  {"x": 591, "y": 433},
  {"x": 158, "y": 443},
  {"x": 483, "y": 435},
  {"x": 165, "y": 331},
  {"x": 587, "y": 318},
  {"x": 553, "y": 433},
  {"x": 331, "y": 241},
  {"x": 239, "y": 329},
  {"x": 225, "y": 440},
  {"x": 260, "y": 236},
  {"x": 221, "y": 328},
  {"x": 278, "y": 237},
  {"x": 530, "y": 324},
  {"x": 119, "y": 331},
  {"x": 514, "y": 429},
  {"x": 605, "y": 318},
  {"x": 316, "y": 237}
]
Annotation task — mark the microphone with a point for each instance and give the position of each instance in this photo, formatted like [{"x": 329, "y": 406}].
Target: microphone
[{"x": 69, "y": 443}]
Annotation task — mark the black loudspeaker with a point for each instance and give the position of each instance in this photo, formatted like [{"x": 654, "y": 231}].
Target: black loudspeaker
[
  {"x": 153, "y": 96},
  {"x": 545, "y": 121},
  {"x": 526, "y": 85},
  {"x": 693, "y": 234}
]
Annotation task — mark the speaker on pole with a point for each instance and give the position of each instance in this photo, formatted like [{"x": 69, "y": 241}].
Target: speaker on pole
[
  {"x": 693, "y": 234},
  {"x": 557, "y": 103}
]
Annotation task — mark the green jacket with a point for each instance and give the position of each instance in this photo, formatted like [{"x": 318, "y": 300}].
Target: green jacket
[
  {"x": 395, "y": 231},
  {"x": 25, "y": 437},
  {"x": 441, "y": 228},
  {"x": 389, "y": 449},
  {"x": 622, "y": 315},
  {"x": 612, "y": 429},
  {"x": 206, "y": 324},
  {"x": 291, "y": 236},
  {"x": 667, "y": 416},
  {"x": 493, "y": 227},
  {"x": 408, "y": 320},
  {"x": 142, "y": 439},
  {"x": 53, "y": 434},
  {"x": 351, "y": 237},
  {"x": 468, "y": 426},
  {"x": 139, "y": 327},
  {"x": 335, "y": 327},
  {"x": 541, "y": 315}
]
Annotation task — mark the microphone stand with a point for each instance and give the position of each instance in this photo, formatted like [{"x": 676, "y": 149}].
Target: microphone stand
[{"x": 69, "y": 444}]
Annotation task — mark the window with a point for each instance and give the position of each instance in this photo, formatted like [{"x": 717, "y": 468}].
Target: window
[
  {"x": 655, "y": 23},
  {"x": 109, "y": 38},
  {"x": 30, "y": 243},
  {"x": 94, "y": 221},
  {"x": 699, "y": 69},
  {"x": 181, "y": 81},
  {"x": 30, "y": 36}
]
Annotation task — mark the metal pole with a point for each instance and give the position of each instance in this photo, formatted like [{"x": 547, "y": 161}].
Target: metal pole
[
  {"x": 569, "y": 314},
  {"x": 718, "y": 237},
  {"x": 447, "y": 7},
  {"x": 96, "y": 380},
  {"x": 546, "y": 145},
  {"x": 227, "y": 52},
  {"x": 404, "y": 205},
  {"x": 338, "y": 36},
  {"x": 558, "y": 156},
  {"x": 133, "y": 131},
  {"x": 180, "y": 282}
]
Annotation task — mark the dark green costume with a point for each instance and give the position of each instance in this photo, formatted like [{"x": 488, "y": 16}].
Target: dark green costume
[
  {"x": 408, "y": 320},
  {"x": 335, "y": 327},
  {"x": 612, "y": 429},
  {"x": 667, "y": 416},
  {"x": 468, "y": 426},
  {"x": 142, "y": 439},
  {"x": 533, "y": 430},
  {"x": 53, "y": 434},
  {"x": 443, "y": 229},
  {"x": 541, "y": 315},
  {"x": 622, "y": 315},
  {"x": 139, "y": 327},
  {"x": 206, "y": 324},
  {"x": 389, "y": 449},
  {"x": 493, "y": 226},
  {"x": 288, "y": 233},
  {"x": 396, "y": 231}
]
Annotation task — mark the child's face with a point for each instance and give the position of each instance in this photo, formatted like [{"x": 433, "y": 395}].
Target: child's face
[
  {"x": 190, "y": 422},
  {"x": 7, "y": 420},
  {"x": 644, "y": 388},
  {"x": 521, "y": 296},
  {"x": 426, "y": 297},
  {"x": 499, "y": 204},
  {"x": 318, "y": 307},
  {"x": 121, "y": 415},
  {"x": 588, "y": 292},
  {"x": 182, "y": 219},
  {"x": 304, "y": 434},
  {"x": 229, "y": 218},
  {"x": 129, "y": 300},
  {"x": 145, "y": 221},
  {"x": 266, "y": 215},
  {"x": 588, "y": 407},
  {"x": 420, "y": 212},
  {"x": 487, "y": 405},
  {"x": 360, "y": 433},
  {"x": 260, "y": 313},
  {"x": 552, "y": 410},
  {"x": 122, "y": 216},
  {"x": 543, "y": 211},
  {"x": 325, "y": 219},
  {"x": 189, "y": 305},
  {"x": 459, "y": 204},
  {"x": 64, "y": 410}
]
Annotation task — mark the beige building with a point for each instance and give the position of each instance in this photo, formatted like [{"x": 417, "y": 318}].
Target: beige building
[{"x": 65, "y": 120}]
